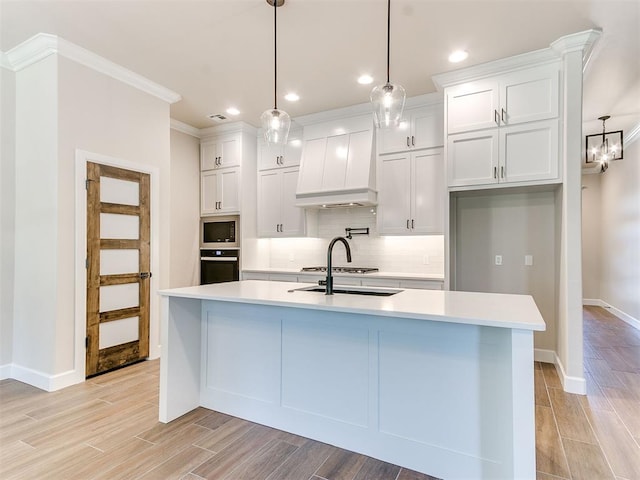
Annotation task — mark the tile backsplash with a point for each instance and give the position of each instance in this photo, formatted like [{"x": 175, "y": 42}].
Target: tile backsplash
[{"x": 403, "y": 254}]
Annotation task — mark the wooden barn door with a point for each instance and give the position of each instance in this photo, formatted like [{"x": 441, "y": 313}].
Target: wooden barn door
[{"x": 118, "y": 267}]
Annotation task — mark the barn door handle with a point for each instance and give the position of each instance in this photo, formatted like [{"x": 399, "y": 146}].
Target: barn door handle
[{"x": 144, "y": 275}]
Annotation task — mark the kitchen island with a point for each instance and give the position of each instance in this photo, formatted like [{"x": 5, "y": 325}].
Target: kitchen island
[{"x": 436, "y": 381}]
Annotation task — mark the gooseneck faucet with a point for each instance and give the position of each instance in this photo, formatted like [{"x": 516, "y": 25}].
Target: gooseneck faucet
[{"x": 329, "y": 288}]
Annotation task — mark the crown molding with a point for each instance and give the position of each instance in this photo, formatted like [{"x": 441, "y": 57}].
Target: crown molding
[
  {"x": 234, "y": 127},
  {"x": 4, "y": 61},
  {"x": 42, "y": 45},
  {"x": 575, "y": 42},
  {"x": 185, "y": 128}
]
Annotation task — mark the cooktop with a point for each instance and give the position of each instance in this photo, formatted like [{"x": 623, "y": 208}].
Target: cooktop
[{"x": 341, "y": 269}]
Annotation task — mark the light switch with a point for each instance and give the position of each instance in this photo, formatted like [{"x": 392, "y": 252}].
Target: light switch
[
  {"x": 425, "y": 259},
  {"x": 291, "y": 257},
  {"x": 528, "y": 260},
  {"x": 498, "y": 259}
]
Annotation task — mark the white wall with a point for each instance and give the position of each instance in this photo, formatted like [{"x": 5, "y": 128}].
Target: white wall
[
  {"x": 620, "y": 228},
  {"x": 591, "y": 236},
  {"x": 62, "y": 106},
  {"x": 7, "y": 212},
  {"x": 185, "y": 207}
]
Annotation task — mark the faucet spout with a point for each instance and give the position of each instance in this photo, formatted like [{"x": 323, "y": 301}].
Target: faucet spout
[{"x": 329, "y": 287}]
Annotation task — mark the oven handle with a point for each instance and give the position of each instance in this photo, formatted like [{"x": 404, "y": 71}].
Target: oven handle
[{"x": 219, "y": 259}]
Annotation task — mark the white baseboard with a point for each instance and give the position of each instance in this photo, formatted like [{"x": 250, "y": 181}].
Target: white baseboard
[
  {"x": 634, "y": 322},
  {"x": 5, "y": 371},
  {"x": 44, "y": 381},
  {"x": 569, "y": 384}
]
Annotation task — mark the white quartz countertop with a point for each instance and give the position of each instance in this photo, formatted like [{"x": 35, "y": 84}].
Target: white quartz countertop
[
  {"x": 391, "y": 275},
  {"x": 486, "y": 309}
]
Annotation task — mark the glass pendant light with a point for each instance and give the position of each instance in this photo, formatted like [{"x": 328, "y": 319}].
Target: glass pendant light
[
  {"x": 275, "y": 122},
  {"x": 388, "y": 99}
]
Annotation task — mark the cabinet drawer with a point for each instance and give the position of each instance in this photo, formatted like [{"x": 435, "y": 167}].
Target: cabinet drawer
[
  {"x": 255, "y": 276},
  {"x": 380, "y": 282},
  {"x": 282, "y": 277},
  {"x": 421, "y": 284}
]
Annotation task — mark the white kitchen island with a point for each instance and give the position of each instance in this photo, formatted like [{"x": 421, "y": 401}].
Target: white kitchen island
[{"x": 436, "y": 381}]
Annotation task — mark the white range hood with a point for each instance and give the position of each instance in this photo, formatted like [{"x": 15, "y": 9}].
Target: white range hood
[{"x": 338, "y": 164}]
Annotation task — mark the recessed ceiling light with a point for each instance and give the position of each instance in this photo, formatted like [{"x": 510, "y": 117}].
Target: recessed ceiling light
[
  {"x": 458, "y": 56},
  {"x": 233, "y": 111},
  {"x": 365, "y": 79},
  {"x": 292, "y": 97}
]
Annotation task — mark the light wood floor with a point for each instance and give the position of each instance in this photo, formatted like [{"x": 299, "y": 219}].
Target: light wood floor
[{"x": 107, "y": 428}]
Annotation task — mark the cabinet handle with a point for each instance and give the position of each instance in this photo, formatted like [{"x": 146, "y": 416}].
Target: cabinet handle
[
  {"x": 503, "y": 114},
  {"x": 495, "y": 172},
  {"x": 412, "y": 223},
  {"x": 281, "y": 159},
  {"x": 496, "y": 117},
  {"x": 413, "y": 140},
  {"x": 408, "y": 144},
  {"x": 407, "y": 224},
  {"x": 277, "y": 159},
  {"x": 502, "y": 172}
]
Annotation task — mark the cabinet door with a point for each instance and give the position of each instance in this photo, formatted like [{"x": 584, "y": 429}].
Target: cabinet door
[
  {"x": 395, "y": 185},
  {"x": 472, "y": 158},
  {"x": 229, "y": 151},
  {"x": 472, "y": 106},
  {"x": 427, "y": 127},
  {"x": 529, "y": 95},
  {"x": 394, "y": 139},
  {"x": 313, "y": 159},
  {"x": 208, "y": 154},
  {"x": 529, "y": 152},
  {"x": 228, "y": 191},
  {"x": 269, "y": 201},
  {"x": 292, "y": 153},
  {"x": 292, "y": 217},
  {"x": 427, "y": 199},
  {"x": 335, "y": 162},
  {"x": 268, "y": 156},
  {"x": 209, "y": 193}
]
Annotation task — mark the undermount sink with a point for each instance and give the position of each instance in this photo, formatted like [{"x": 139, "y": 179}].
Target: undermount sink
[{"x": 376, "y": 292}]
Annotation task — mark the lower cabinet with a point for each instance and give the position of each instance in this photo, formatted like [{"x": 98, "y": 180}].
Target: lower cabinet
[
  {"x": 277, "y": 214},
  {"x": 411, "y": 193}
]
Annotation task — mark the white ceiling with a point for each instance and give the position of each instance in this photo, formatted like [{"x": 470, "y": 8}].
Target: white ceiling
[{"x": 218, "y": 53}]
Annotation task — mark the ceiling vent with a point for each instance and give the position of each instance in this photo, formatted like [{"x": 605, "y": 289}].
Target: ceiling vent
[{"x": 216, "y": 117}]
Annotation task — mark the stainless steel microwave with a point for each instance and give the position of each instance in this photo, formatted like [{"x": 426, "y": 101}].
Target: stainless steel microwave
[{"x": 220, "y": 232}]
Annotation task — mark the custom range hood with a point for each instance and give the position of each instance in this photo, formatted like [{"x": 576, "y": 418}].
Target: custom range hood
[{"x": 338, "y": 165}]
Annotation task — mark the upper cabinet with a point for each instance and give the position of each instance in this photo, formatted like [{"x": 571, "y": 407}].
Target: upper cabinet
[
  {"x": 224, "y": 151},
  {"x": 277, "y": 214},
  {"x": 504, "y": 129},
  {"x": 421, "y": 128},
  {"x": 220, "y": 192},
  {"x": 279, "y": 156}
]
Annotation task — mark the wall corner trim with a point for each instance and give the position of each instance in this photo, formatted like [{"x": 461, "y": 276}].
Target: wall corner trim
[{"x": 42, "y": 45}]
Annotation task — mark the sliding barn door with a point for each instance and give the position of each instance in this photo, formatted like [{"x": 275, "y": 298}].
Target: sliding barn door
[{"x": 118, "y": 267}]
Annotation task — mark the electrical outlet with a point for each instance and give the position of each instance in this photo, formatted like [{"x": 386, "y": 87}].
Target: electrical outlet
[
  {"x": 528, "y": 260},
  {"x": 425, "y": 259},
  {"x": 291, "y": 257},
  {"x": 498, "y": 259}
]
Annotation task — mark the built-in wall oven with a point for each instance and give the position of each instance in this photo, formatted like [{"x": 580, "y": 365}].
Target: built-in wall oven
[{"x": 217, "y": 266}]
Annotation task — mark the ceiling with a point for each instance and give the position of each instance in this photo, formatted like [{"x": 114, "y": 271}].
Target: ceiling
[{"x": 219, "y": 53}]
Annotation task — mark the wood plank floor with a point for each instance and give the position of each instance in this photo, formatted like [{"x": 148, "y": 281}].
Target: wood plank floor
[
  {"x": 107, "y": 428},
  {"x": 594, "y": 436}
]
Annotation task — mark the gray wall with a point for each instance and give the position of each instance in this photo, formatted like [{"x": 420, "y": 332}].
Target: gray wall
[{"x": 511, "y": 224}]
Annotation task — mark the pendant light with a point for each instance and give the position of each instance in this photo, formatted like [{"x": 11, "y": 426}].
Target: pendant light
[
  {"x": 275, "y": 122},
  {"x": 388, "y": 99}
]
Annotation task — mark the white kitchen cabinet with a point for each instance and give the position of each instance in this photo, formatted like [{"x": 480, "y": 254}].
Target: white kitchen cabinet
[
  {"x": 523, "y": 96},
  {"x": 422, "y": 127},
  {"x": 277, "y": 214},
  {"x": 520, "y": 153},
  {"x": 279, "y": 156},
  {"x": 219, "y": 191},
  {"x": 504, "y": 130},
  {"x": 220, "y": 152},
  {"x": 411, "y": 193}
]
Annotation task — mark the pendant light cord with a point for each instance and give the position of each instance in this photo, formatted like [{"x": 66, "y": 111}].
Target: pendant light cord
[
  {"x": 275, "y": 55},
  {"x": 388, "y": 35}
]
